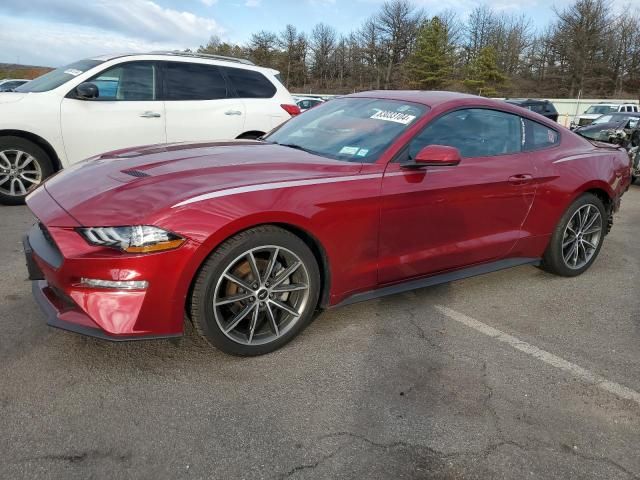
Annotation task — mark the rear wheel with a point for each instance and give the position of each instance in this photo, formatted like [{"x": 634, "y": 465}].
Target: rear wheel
[
  {"x": 256, "y": 292},
  {"x": 23, "y": 166},
  {"x": 578, "y": 238}
]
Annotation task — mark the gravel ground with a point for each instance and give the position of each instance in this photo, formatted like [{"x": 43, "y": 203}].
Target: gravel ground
[{"x": 392, "y": 388}]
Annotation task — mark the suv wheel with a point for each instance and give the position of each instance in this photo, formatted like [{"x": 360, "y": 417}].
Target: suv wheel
[{"x": 23, "y": 166}]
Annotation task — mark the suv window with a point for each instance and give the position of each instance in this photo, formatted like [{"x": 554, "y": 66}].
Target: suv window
[
  {"x": 538, "y": 136},
  {"x": 132, "y": 81},
  {"x": 475, "y": 132},
  {"x": 249, "y": 83},
  {"x": 193, "y": 81}
]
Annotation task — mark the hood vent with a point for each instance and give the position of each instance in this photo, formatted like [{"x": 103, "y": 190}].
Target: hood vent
[{"x": 136, "y": 173}]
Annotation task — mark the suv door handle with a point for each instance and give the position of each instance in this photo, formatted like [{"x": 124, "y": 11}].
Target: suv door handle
[
  {"x": 149, "y": 114},
  {"x": 520, "y": 179},
  {"x": 233, "y": 112}
]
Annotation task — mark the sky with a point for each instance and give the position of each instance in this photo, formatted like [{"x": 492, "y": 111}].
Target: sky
[{"x": 58, "y": 32}]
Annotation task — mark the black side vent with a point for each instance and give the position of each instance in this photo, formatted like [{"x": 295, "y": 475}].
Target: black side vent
[{"x": 136, "y": 173}]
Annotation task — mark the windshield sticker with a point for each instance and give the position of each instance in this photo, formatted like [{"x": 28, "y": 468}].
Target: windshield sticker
[
  {"x": 396, "y": 117},
  {"x": 73, "y": 71},
  {"x": 349, "y": 150},
  {"x": 362, "y": 152}
]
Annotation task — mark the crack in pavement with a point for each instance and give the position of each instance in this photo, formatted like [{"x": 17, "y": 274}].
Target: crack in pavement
[
  {"x": 81, "y": 457},
  {"x": 483, "y": 453}
]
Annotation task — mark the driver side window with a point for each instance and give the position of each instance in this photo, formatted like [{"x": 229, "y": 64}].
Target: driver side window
[
  {"x": 475, "y": 132},
  {"x": 132, "y": 81}
]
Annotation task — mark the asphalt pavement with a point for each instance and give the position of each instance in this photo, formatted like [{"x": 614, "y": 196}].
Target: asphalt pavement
[{"x": 516, "y": 374}]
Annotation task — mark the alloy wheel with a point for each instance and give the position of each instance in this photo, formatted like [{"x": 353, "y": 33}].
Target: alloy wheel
[
  {"x": 582, "y": 236},
  {"x": 261, "y": 295},
  {"x": 19, "y": 172}
]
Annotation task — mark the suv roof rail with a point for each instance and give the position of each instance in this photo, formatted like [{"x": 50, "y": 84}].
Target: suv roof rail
[{"x": 179, "y": 53}]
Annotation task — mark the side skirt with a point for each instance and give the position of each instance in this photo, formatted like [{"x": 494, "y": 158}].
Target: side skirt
[{"x": 438, "y": 279}]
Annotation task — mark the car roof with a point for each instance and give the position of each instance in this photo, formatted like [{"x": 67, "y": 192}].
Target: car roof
[
  {"x": 188, "y": 56},
  {"x": 431, "y": 98},
  {"x": 525, "y": 100}
]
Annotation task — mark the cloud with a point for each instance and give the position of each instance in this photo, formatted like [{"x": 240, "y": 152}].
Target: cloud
[
  {"x": 140, "y": 19},
  {"x": 252, "y": 3},
  {"x": 46, "y": 44}
]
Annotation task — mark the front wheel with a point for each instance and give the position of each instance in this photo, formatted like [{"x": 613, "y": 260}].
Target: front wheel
[
  {"x": 256, "y": 292},
  {"x": 23, "y": 166},
  {"x": 578, "y": 238}
]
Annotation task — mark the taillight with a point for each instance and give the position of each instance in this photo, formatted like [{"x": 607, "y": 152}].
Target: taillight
[{"x": 292, "y": 110}]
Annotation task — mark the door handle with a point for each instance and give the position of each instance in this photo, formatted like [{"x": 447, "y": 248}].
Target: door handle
[
  {"x": 233, "y": 112},
  {"x": 149, "y": 114},
  {"x": 520, "y": 179}
]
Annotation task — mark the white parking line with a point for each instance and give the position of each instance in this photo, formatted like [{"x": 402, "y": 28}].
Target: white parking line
[{"x": 575, "y": 370}]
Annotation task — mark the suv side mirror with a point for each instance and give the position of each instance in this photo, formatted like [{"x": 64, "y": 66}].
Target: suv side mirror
[
  {"x": 87, "y": 91},
  {"x": 436, "y": 156}
]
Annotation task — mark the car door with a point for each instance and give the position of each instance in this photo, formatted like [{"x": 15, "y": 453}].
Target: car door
[
  {"x": 441, "y": 218},
  {"x": 199, "y": 104},
  {"x": 126, "y": 113}
]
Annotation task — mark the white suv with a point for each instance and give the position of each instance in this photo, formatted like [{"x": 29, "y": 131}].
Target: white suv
[
  {"x": 108, "y": 103},
  {"x": 594, "y": 111}
]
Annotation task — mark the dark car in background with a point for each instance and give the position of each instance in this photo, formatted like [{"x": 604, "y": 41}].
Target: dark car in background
[
  {"x": 543, "y": 107},
  {"x": 9, "y": 84},
  {"x": 620, "y": 128}
]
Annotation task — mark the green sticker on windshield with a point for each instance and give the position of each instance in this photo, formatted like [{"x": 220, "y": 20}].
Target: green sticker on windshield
[{"x": 349, "y": 150}]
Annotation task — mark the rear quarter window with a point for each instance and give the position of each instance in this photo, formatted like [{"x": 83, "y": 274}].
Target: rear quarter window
[
  {"x": 249, "y": 83},
  {"x": 538, "y": 136}
]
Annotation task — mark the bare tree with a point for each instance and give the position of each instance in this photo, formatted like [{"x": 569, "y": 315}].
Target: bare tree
[
  {"x": 323, "y": 42},
  {"x": 398, "y": 22}
]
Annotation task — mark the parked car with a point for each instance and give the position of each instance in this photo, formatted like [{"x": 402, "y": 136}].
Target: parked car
[
  {"x": 608, "y": 128},
  {"x": 113, "y": 102},
  {"x": 543, "y": 107},
  {"x": 594, "y": 111},
  {"x": 367, "y": 195},
  {"x": 307, "y": 103},
  {"x": 8, "y": 84}
]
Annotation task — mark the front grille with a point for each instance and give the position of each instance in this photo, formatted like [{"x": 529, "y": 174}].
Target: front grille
[{"x": 47, "y": 236}]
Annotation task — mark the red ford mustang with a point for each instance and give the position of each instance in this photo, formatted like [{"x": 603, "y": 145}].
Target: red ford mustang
[{"x": 366, "y": 195}]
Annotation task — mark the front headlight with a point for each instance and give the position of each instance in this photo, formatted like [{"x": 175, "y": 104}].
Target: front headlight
[{"x": 132, "y": 239}]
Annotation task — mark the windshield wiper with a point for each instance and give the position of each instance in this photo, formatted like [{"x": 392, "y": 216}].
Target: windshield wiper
[{"x": 297, "y": 147}]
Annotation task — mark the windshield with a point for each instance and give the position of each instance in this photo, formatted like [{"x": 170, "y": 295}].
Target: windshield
[
  {"x": 57, "y": 77},
  {"x": 601, "y": 109},
  {"x": 350, "y": 129}
]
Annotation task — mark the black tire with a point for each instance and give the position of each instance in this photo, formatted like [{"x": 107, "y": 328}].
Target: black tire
[
  {"x": 225, "y": 256},
  {"x": 10, "y": 144},
  {"x": 553, "y": 260}
]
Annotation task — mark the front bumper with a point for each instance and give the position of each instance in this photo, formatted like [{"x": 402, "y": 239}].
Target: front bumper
[
  {"x": 58, "y": 258},
  {"x": 60, "y": 310}
]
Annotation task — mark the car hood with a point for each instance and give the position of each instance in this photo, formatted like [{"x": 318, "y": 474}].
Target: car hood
[
  {"x": 601, "y": 127},
  {"x": 11, "y": 97},
  {"x": 129, "y": 186}
]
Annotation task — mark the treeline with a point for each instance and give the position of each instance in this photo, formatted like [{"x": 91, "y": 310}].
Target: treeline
[
  {"x": 9, "y": 70},
  {"x": 587, "y": 48}
]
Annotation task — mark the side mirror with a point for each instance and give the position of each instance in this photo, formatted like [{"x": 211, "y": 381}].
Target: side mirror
[
  {"x": 87, "y": 91},
  {"x": 436, "y": 156}
]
